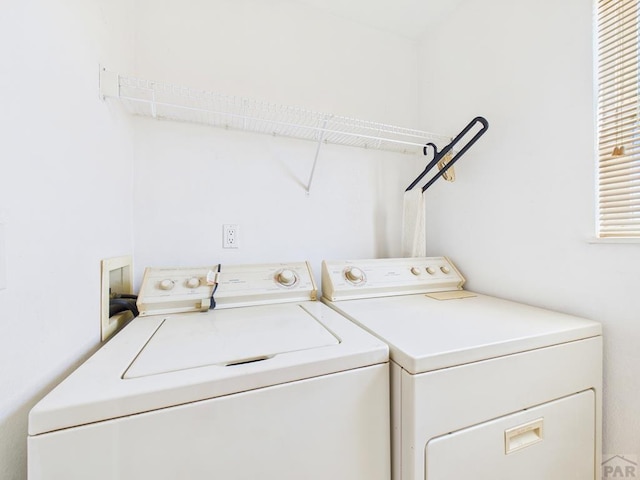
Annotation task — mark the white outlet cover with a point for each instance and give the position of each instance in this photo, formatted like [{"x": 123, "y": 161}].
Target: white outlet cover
[{"x": 230, "y": 235}]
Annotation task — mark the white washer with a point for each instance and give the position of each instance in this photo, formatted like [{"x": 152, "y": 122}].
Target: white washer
[
  {"x": 482, "y": 388},
  {"x": 268, "y": 385}
]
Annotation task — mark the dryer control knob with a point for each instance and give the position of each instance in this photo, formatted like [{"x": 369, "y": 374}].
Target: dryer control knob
[
  {"x": 444, "y": 269},
  {"x": 286, "y": 277},
  {"x": 415, "y": 271},
  {"x": 166, "y": 284},
  {"x": 354, "y": 275},
  {"x": 193, "y": 282},
  {"x": 430, "y": 270}
]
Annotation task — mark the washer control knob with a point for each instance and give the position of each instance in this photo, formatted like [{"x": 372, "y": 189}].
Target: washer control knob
[
  {"x": 444, "y": 269},
  {"x": 415, "y": 271},
  {"x": 354, "y": 275},
  {"x": 286, "y": 277},
  {"x": 166, "y": 284},
  {"x": 193, "y": 282},
  {"x": 431, "y": 270}
]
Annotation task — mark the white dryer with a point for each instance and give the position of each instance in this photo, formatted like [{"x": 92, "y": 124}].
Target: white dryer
[
  {"x": 482, "y": 388},
  {"x": 268, "y": 385}
]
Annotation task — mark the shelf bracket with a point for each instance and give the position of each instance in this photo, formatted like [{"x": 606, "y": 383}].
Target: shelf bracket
[
  {"x": 315, "y": 160},
  {"x": 109, "y": 84}
]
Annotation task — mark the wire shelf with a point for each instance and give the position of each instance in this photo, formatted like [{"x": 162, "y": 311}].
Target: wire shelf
[{"x": 172, "y": 102}]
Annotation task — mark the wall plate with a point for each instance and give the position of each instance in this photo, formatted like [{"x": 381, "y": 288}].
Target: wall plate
[{"x": 117, "y": 277}]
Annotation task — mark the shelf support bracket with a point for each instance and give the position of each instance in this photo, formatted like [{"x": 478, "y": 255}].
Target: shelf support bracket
[
  {"x": 109, "y": 84},
  {"x": 315, "y": 160}
]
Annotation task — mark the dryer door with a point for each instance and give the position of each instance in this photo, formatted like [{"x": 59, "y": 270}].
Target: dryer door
[{"x": 554, "y": 441}]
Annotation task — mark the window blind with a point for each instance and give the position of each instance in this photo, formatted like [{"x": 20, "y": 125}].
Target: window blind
[{"x": 618, "y": 129}]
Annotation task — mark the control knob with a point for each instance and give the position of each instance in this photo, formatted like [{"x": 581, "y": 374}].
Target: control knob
[
  {"x": 286, "y": 277},
  {"x": 415, "y": 271},
  {"x": 354, "y": 275},
  {"x": 193, "y": 282},
  {"x": 166, "y": 284}
]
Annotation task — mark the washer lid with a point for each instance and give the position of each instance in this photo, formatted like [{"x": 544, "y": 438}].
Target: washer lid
[
  {"x": 426, "y": 334},
  {"x": 323, "y": 343},
  {"x": 228, "y": 338}
]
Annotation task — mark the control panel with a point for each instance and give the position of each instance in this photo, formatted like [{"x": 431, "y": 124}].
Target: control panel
[
  {"x": 174, "y": 290},
  {"x": 244, "y": 285},
  {"x": 350, "y": 279}
]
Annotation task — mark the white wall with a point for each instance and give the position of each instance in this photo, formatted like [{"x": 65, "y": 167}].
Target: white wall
[
  {"x": 190, "y": 179},
  {"x": 65, "y": 195},
  {"x": 67, "y": 181},
  {"x": 519, "y": 219}
]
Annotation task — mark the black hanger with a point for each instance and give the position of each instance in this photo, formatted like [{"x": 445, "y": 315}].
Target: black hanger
[{"x": 438, "y": 155}]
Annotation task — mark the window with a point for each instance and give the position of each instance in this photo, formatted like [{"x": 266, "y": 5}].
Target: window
[{"x": 618, "y": 128}]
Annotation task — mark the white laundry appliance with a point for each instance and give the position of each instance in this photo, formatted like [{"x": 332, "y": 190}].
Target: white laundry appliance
[
  {"x": 270, "y": 384},
  {"x": 482, "y": 388}
]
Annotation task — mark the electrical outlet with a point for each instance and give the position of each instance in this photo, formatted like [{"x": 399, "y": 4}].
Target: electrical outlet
[{"x": 230, "y": 236}]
